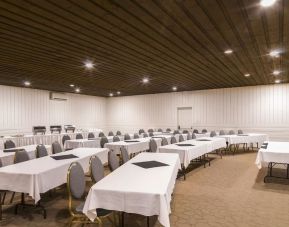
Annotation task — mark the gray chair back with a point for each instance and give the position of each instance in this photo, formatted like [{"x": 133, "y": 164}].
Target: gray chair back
[
  {"x": 115, "y": 139},
  {"x": 185, "y": 131},
  {"x": 153, "y": 146},
  {"x": 64, "y": 138},
  {"x": 164, "y": 142},
  {"x": 101, "y": 134},
  {"x": 195, "y": 131},
  {"x": 240, "y": 131},
  {"x": 126, "y": 136},
  {"x": 113, "y": 161},
  {"x": 96, "y": 169},
  {"x": 91, "y": 135},
  {"x": 1, "y": 165},
  {"x": 213, "y": 134},
  {"x": 56, "y": 148},
  {"x": 145, "y": 135},
  {"x": 76, "y": 181},
  {"x": 103, "y": 141},
  {"x": 173, "y": 140},
  {"x": 189, "y": 136},
  {"x": 21, "y": 156},
  {"x": 168, "y": 130},
  {"x": 204, "y": 130},
  {"x": 41, "y": 151},
  {"x": 9, "y": 144},
  {"x": 118, "y": 133},
  {"x": 110, "y": 133},
  {"x": 231, "y": 132},
  {"x": 176, "y": 132},
  {"x": 150, "y": 130},
  {"x": 160, "y": 130},
  {"x": 136, "y": 136},
  {"x": 124, "y": 154},
  {"x": 194, "y": 136},
  {"x": 181, "y": 138},
  {"x": 222, "y": 132},
  {"x": 141, "y": 131},
  {"x": 151, "y": 134},
  {"x": 79, "y": 136}
]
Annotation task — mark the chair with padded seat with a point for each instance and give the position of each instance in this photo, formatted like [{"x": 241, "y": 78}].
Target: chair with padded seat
[
  {"x": 168, "y": 130},
  {"x": 41, "y": 151},
  {"x": 118, "y": 133},
  {"x": 151, "y": 134},
  {"x": 2, "y": 200},
  {"x": 113, "y": 161},
  {"x": 145, "y": 135},
  {"x": 185, "y": 131},
  {"x": 9, "y": 144},
  {"x": 64, "y": 138},
  {"x": 196, "y": 131},
  {"x": 76, "y": 185},
  {"x": 231, "y": 132},
  {"x": 173, "y": 140},
  {"x": 101, "y": 134},
  {"x": 21, "y": 156},
  {"x": 164, "y": 142},
  {"x": 153, "y": 146},
  {"x": 150, "y": 130},
  {"x": 110, "y": 133},
  {"x": 176, "y": 132},
  {"x": 222, "y": 133},
  {"x": 189, "y": 136},
  {"x": 240, "y": 132},
  {"x": 194, "y": 136},
  {"x": 160, "y": 130},
  {"x": 181, "y": 138},
  {"x": 204, "y": 130},
  {"x": 127, "y": 136},
  {"x": 79, "y": 136},
  {"x": 91, "y": 135},
  {"x": 213, "y": 134},
  {"x": 56, "y": 148},
  {"x": 115, "y": 139},
  {"x": 141, "y": 131},
  {"x": 136, "y": 136},
  {"x": 124, "y": 154},
  {"x": 96, "y": 169},
  {"x": 103, "y": 141}
]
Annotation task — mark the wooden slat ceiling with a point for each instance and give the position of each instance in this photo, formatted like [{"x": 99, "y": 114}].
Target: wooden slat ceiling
[{"x": 172, "y": 42}]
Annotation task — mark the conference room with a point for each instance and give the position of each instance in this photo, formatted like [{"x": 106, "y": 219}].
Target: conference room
[{"x": 137, "y": 113}]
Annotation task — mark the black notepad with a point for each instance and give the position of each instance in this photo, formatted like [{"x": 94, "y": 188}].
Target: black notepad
[
  {"x": 12, "y": 150},
  {"x": 150, "y": 164},
  {"x": 185, "y": 145},
  {"x": 131, "y": 141},
  {"x": 264, "y": 146},
  {"x": 203, "y": 140},
  {"x": 242, "y": 135},
  {"x": 62, "y": 157}
]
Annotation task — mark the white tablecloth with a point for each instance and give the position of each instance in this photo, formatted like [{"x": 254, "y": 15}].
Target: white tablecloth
[
  {"x": 76, "y": 143},
  {"x": 178, "y": 136},
  {"x": 40, "y": 175},
  {"x": 8, "y": 157},
  {"x": 277, "y": 152},
  {"x": 200, "y": 135},
  {"x": 249, "y": 138},
  {"x": 133, "y": 189},
  {"x": 167, "y": 137}
]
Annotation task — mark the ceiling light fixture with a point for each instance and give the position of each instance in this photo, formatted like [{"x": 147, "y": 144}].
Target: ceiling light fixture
[
  {"x": 277, "y": 81},
  {"x": 247, "y": 75},
  {"x": 276, "y": 72},
  {"x": 27, "y": 83},
  {"x": 274, "y": 53},
  {"x": 175, "y": 88},
  {"x": 267, "y": 3},
  {"x": 77, "y": 90},
  {"x": 71, "y": 85},
  {"x": 110, "y": 94},
  {"x": 118, "y": 92},
  {"x": 89, "y": 64},
  {"x": 229, "y": 51},
  {"x": 145, "y": 80}
]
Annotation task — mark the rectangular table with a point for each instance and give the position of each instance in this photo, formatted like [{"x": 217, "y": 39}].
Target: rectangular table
[
  {"x": 246, "y": 138},
  {"x": 40, "y": 175},
  {"x": 76, "y": 143},
  {"x": 133, "y": 189}
]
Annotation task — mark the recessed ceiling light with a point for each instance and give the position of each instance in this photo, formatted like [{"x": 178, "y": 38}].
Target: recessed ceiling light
[
  {"x": 229, "y": 51},
  {"x": 27, "y": 83},
  {"x": 175, "y": 88},
  {"x": 267, "y": 3},
  {"x": 77, "y": 90},
  {"x": 110, "y": 94},
  {"x": 71, "y": 85},
  {"x": 277, "y": 81},
  {"x": 274, "y": 53},
  {"x": 247, "y": 75},
  {"x": 276, "y": 72},
  {"x": 145, "y": 80},
  {"x": 118, "y": 92},
  {"x": 89, "y": 64}
]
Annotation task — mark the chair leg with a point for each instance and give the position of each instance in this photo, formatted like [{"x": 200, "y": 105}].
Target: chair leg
[
  {"x": 3, "y": 200},
  {"x": 148, "y": 221},
  {"x": 0, "y": 206},
  {"x": 12, "y": 197}
]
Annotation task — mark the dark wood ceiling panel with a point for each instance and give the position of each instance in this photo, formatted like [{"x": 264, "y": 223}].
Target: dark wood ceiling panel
[{"x": 172, "y": 42}]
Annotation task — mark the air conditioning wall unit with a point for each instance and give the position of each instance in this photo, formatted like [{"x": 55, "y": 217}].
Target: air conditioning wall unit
[{"x": 57, "y": 96}]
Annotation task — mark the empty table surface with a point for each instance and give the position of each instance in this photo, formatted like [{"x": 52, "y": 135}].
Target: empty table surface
[
  {"x": 40, "y": 175},
  {"x": 134, "y": 189},
  {"x": 245, "y": 138}
]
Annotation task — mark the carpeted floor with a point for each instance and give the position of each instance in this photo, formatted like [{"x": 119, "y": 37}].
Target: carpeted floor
[{"x": 230, "y": 192}]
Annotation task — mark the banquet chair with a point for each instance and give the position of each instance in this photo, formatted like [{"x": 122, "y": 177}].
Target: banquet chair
[
  {"x": 151, "y": 134},
  {"x": 176, "y": 132},
  {"x": 195, "y": 131},
  {"x": 115, "y": 139},
  {"x": 2, "y": 200},
  {"x": 56, "y": 148},
  {"x": 103, "y": 141},
  {"x": 90, "y": 135},
  {"x": 141, "y": 131},
  {"x": 240, "y": 132},
  {"x": 160, "y": 130},
  {"x": 113, "y": 162},
  {"x": 101, "y": 134},
  {"x": 181, "y": 138},
  {"x": 96, "y": 169},
  {"x": 185, "y": 131},
  {"x": 173, "y": 140},
  {"x": 76, "y": 191},
  {"x": 110, "y": 133},
  {"x": 126, "y": 136},
  {"x": 150, "y": 130},
  {"x": 145, "y": 135},
  {"x": 164, "y": 142},
  {"x": 118, "y": 133},
  {"x": 153, "y": 146},
  {"x": 124, "y": 154},
  {"x": 222, "y": 133},
  {"x": 231, "y": 132},
  {"x": 21, "y": 156},
  {"x": 168, "y": 130},
  {"x": 79, "y": 136},
  {"x": 9, "y": 144},
  {"x": 204, "y": 130},
  {"x": 136, "y": 136},
  {"x": 64, "y": 138},
  {"x": 194, "y": 136},
  {"x": 213, "y": 134},
  {"x": 189, "y": 136},
  {"x": 245, "y": 145},
  {"x": 41, "y": 151}
]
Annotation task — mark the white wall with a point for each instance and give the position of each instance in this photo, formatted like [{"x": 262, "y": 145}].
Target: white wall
[
  {"x": 22, "y": 108},
  {"x": 254, "y": 109}
]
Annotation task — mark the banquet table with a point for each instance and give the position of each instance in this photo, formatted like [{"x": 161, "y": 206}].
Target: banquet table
[
  {"x": 76, "y": 143},
  {"x": 166, "y": 136},
  {"x": 134, "y": 189},
  {"x": 245, "y": 138},
  {"x": 200, "y": 135},
  {"x": 7, "y": 158},
  {"x": 42, "y": 174},
  {"x": 178, "y": 136}
]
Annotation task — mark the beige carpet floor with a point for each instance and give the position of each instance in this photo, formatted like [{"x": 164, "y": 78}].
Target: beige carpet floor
[{"x": 230, "y": 192}]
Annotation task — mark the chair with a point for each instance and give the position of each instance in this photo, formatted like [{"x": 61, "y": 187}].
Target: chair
[
  {"x": 76, "y": 191},
  {"x": 194, "y": 136},
  {"x": 110, "y": 133},
  {"x": 189, "y": 136},
  {"x": 101, "y": 134},
  {"x": 126, "y": 136},
  {"x": 204, "y": 130},
  {"x": 96, "y": 169},
  {"x": 240, "y": 132},
  {"x": 213, "y": 134},
  {"x": 195, "y": 131},
  {"x": 150, "y": 130},
  {"x": 64, "y": 138},
  {"x": 222, "y": 133},
  {"x": 103, "y": 141},
  {"x": 136, "y": 136},
  {"x": 113, "y": 162},
  {"x": 164, "y": 142},
  {"x": 4, "y": 195},
  {"x": 118, "y": 133},
  {"x": 185, "y": 131},
  {"x": 231, "y": 132},
  {"x": 141, "y": 131},
  {"x": 115, "y": 139},
  {"x": 21, "y": 156},
  {"x": 56, "y": 148},
  {"x": 151, "y": 134},
  {"x": 168, "y": 130},
  {"x": 181, "y": 138},
  {"x": 41, "y": 151},
  {"x": 153, "y": 146},
  {"x": 176, "y": 132},
  {"x": 91, "y": 135},
  {"x": 124, "y": 154},
  {"x": 9, "y": 144},
  {"x": 173, "y": 140},
  {"x": 160, "y": 130},
  {"x": 79, "y": 136},
  {"x": 145, "y": 135}
]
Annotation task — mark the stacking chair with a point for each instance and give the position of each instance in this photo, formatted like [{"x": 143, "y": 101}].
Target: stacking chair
[
  {"x": 204, "y": 130},
  {"x": 115, "y": 139},
  {"x": 64, "y": 138},
  {"x": 189, "y": 136},
  {"x": 118, "y": 133},
  {"x": 173, "y": 140},
  {"x": 195, "y": 131},
  {"x": 96, "y": 169},
  {"x": 136, "y": 136},
  {"x": 110, "y": 133},
  {"x": 4, "y": 195},
  {"x": 90, "y": 135},
  {"x": 124, "y": 154},
  {"x": 176, "y": 132},
  {"x": 126, "y": 136},
  {"x": 222, "y": 133},
  {"x": 79, "y": 136},
  {"x": 164, "y": 142},
  {"x": 150, "y": 130},
  {"x": 41, "y": 151},
  {"x": 141, "y": 131},
  {"x": 240, "y": 132},
  {"x": 168, "y": 130},
  {"x": 103, "y": 141},
  {"x": 151, "y": 134},
  {"x": 181, "y": 138},
  {"x": 231, "y": 132},
  {"x": 101, "y": 134},
  {"x": 194, "y": 136},
  {"x": 153, "y": 146},
  {"x": 145, "y": 135},
  {"x": 56, "y": 148},
  {"x": 113, "y": 162},
  {"x": 76, "y": 191},
  {"x": 160, "y": 130},
  {"x": 213, "y": 134},
  {"x": 21, "y": 156},
  {"x": 9, "y": 144},
  {"x": 185, "y": 131}
]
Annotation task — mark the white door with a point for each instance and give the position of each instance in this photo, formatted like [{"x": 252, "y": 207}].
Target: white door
[{"x": 184, "y": 117}]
